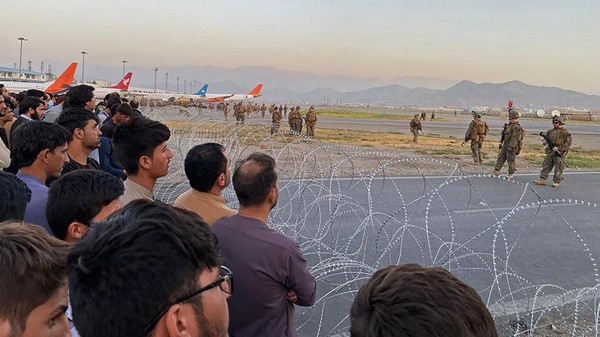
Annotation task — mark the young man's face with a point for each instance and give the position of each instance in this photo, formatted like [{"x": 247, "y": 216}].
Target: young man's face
[
  {"x": 159, "y": 166},
  {"x": 215, "y": 315},
  {"x": 91, "y": 135},
  {"x": 91, "y": 104},
  {"x": 49, "y": 319},
  {"x": 56, "y": 160}
]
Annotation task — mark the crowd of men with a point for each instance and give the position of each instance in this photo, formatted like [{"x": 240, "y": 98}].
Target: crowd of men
[{"x": 85, "y": 249}]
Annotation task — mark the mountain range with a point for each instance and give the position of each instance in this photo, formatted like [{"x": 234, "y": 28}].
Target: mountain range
[{"x": 302, "y": 87}]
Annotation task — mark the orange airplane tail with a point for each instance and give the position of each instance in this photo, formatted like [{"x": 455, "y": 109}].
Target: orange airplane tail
[
  {"x": 256, "y": 90},
  {"x": 64, "y": 81},
  {"x": 124, "y": 84}
]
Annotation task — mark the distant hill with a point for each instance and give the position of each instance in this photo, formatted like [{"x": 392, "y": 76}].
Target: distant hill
[{"x": 301, "y": 87}]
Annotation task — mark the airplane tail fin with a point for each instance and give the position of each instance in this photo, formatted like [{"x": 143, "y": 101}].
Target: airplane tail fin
[
  {"x": 124, "y": 84},
  {"x": 63, "y": 81},
  {"x": 202, "y": 91},
  {"x": 256, "y": 90}
]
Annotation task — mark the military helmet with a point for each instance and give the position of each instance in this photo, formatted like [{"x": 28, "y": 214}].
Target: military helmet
[
  {"x": 513, "y": 114},
  {"x": 416, "y": 115},
  {"x": 476, "y": 115},
  {"x": 559, "y": 119}
]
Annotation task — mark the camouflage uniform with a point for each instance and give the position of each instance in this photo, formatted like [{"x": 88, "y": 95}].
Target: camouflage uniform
[
  {"x": 285, "y": 109},
  {"x": 263, "y": 109},
  {"x": 415, "y": 127},
  {"x": 299, "y": 120},
  {"x": 555, "y": 157},
  {"x": 510, "y": 147},
  {"x": 311, "y": 121},
  {"x": 476, "y": 133},
  {"x": 276, "y": 120}
]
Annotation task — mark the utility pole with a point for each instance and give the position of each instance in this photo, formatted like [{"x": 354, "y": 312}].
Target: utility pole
[
  {"x": 83, "y": 53},
  {"x": 155, "y": 71},
  {"x": 20, "y": 56},
  {"x": 166, "y": 81},
  {"x": 177, "y": 84},
  {"x": 124, "y": 61},
  {"x": 184, "y": 85}
]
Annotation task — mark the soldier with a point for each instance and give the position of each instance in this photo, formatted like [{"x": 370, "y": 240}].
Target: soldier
[
  {"x": 263, "y": 109},
  {"x": 276, "y": 120},
  {"x": 558, "y": 142},
  {"x": 311, "y": 121},
  {"x": 423, "y": 115},
  {"x": 242, "y": 113},
  {"x": 292, "y": 120},
  {"x": 415, "y": 127},
  {"x": 510, "y": 144},
  {"x": 476, "y": 133},
  {"x": 298, "y": 120},
  {"x": 433, "y": 115},
  {"x": 285, "y": 109},
  {"x": 226, "y": 111}
]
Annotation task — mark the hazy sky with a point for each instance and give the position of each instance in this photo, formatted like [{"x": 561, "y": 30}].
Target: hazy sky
[{"x": 554, "y": 43}]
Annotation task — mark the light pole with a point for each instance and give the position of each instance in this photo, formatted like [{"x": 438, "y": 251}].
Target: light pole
[
  {"x": 124, "y": 61},
  {"x": 21, "y": 55},
  {"x": 184, "y": 85},
  {"x": 166, "y": 81},
  {"x": 83, "y": 53},
  {"x": 177, "y": 84},
  {"x": 155, "y": 71}
]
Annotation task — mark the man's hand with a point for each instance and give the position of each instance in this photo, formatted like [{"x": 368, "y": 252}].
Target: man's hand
[{"x": 291, "y": 297}]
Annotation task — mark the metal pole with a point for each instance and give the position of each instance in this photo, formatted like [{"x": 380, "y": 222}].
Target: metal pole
[
  {"x": 83, "y": 53},
  {"x": 155, "y": 71},
  {"x": 184, "y": 85},
  {"x": 124, "y": 61},
  {"x": 20, "y": 56},
  {"x": 166, "y": 81},
  {"x": 177, "y": 84}
]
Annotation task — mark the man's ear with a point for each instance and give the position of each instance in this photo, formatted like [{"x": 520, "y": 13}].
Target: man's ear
[
  {"x": 145, "y": 162},
  {"x": 178, "y": 320},
  {"x": 43, "y": 155},
  {"x": 78, "y": 133},
  {"x": 75, "y": 231},
  {"x": 221, "y": 180}
]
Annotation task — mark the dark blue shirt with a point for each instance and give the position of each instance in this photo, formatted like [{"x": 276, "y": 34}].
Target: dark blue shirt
[{"x": 35, "y": 213}]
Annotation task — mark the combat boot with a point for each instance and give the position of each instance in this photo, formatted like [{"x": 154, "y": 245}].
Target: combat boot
[
  {"x": 496, "y": 173},
  {"x": 540, "y": 181},
  {"x": 510, "y": 176},
  {"x": 555, "y": 184}
]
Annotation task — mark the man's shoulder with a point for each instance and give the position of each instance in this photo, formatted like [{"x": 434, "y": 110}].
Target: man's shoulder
[{"x": 253, "y": 229}]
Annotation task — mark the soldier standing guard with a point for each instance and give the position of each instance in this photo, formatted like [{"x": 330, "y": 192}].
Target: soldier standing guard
[
  {"x": 558, "y": 141},
  {"x": 511, "y": 141},
  {"x": 276, "y": 120},
  {"x": 415, "y": 127},
  {"x": 476, "y": 133},
  {"x": 311, "y": 121}
]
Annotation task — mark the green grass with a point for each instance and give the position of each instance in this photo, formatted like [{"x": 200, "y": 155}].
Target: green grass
[{"x": 362, "y": 114}]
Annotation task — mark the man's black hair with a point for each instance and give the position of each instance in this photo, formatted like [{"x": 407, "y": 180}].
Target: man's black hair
[
  {"x": 203, "y": 165},
  {"x": 14, "y": 197},
  {"x": 136, "y": 138},
  {"x": 30, "y": 103},
  {"x": 36, "y": 93},
  {"x": 78, "y": 96},
  {"x": 30, "y": 138},
  {"x": 75, "y": 118},
  {"x": 124, "y": 108},
  {"x": 79, "y": 196},
  {"x": 148, "y": 254},
  {"x": 253, "y": 179}
]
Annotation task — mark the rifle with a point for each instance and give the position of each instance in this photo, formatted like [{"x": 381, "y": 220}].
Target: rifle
[
  {"x": 465, "y": 142},
  {"x": 551, "y": 146},
  {"x": 502, "y": 135}
]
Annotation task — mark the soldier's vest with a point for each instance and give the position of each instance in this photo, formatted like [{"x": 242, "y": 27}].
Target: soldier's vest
[{"x": 509, "y": 133}]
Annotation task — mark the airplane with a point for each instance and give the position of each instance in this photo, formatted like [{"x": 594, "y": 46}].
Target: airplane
[
  {"x": 202, "y": 96},
  {"x": 245, "y": 97},
  {"x": 58, "y": 86},
  {"x": 121, "y": 87}
]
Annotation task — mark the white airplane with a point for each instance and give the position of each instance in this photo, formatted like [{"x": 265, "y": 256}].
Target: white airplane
[
  {"x": 246, "y": 97},
  {"x": 122, "y": 87},
  {"x": 199, "y": 96},
  {"x": 60, "y": 85}
]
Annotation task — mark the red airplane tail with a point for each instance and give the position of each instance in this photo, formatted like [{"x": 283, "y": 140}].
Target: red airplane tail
[
  {"x": 64, "y": 81},
  {"x": 124, "y": 84},
  {"x": 256, "y": 90}
]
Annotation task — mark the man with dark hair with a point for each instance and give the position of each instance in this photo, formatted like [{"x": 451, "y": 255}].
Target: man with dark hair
[
  {"x": 52, "y": 114},
  {"x": 410, "y": 300},
  {"x": 120, "y": 113},
  {"x": 79, "y": 198},
  {"x": 80, "y": 96},
  {"x": 40, "y": 149},
  {"x": 269, "y": 286},
  {"x": 14, "y": 197},
  {"x": 83, "y": 126},
  {"x": 135, "y": 105},
  {"x": 33, "y": 282},
  {"x": 141, "y": 147},
  {"x": 207, "y": 167},
  {"x": 161, "y": 268}
]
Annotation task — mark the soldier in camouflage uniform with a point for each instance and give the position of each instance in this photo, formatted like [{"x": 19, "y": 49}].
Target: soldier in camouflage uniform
[
  {"x": 295, "y": 120},
  {"x": 510, "y": 144},
  {"x": 299, "y": 120},
  {"x": 415, "y": 127},
  {"x": 311, "y": 121},
  {"x": 476, "y": 133},
  {"x": 263, "y": 109},
  {"x": 556, "y": 151},
  {"x": 276, "y": 120}
]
